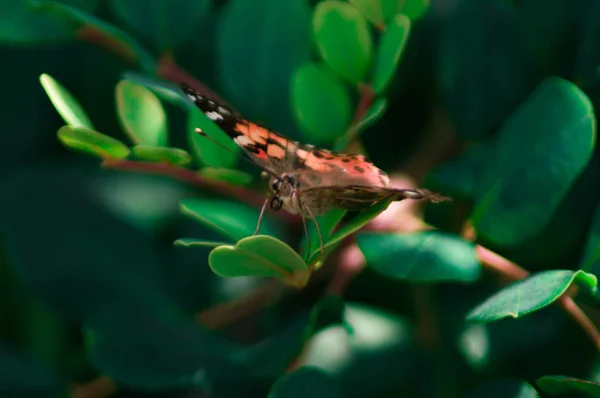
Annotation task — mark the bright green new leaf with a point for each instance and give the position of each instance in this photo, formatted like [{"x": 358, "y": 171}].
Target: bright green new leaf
[
  {"x": 206, "y": 151},
  {"x": 232, "y": 219},
  {"x": 343, "y": 39},
  {"x": 141, "y": 114},
  {"x": 566, "y": 384},
  {"x": 66, "y": 105},
  {"x": 92, "y": 142},
  {"x": 535, "y": 161},
  {"x": 166, "y": 91},
  {"x": 391, "y": 45},
  {"x": 530, "y": 294},
  {"x": 428, "y": 256},
  {"x": 327, "y": 224},
  {"x": 231, "y": 176},
  {"x": 298, "y": 383},
  {"x": 163, "y": 23},
  {"x": 162, "y": 154},
  {"x": 260, "y": 255},
  {"x": 378, "y": 12},
  {"x": 415, "y": 9},
  {"x": 321, "y": 102}
]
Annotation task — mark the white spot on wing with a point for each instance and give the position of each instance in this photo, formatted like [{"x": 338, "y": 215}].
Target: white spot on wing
[
  {"x": 214, "y": 116},
  {"x": 243, "y": 140}
]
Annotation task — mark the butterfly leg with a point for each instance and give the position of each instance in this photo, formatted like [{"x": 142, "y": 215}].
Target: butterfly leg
[
  {"x": 260, "y": 216},
  {"x": 307, "y": 237},
  {"x": 314, "y": 220}
]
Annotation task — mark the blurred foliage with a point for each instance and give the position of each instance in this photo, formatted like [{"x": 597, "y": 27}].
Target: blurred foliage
[{"x": 126, "y": 262}]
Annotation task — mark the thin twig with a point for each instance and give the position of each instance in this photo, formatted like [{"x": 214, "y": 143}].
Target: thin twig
[{"x": 100, "y": 387}]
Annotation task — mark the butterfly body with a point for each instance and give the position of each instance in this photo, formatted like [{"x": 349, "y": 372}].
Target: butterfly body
[{"x": 306, "y": 180}]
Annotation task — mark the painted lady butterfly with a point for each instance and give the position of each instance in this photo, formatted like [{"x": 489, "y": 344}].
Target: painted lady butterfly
[{"x": 306, "y": 180}]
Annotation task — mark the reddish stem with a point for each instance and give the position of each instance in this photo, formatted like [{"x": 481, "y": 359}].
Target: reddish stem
[{"x": 367, "y": 96}]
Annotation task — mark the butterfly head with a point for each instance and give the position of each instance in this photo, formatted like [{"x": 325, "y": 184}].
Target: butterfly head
[{"x": 284, "y": 189}]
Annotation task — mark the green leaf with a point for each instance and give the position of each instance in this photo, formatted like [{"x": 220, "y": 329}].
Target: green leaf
[
  {"x": 231, "y": 176},
  {"x": 304, "y": 383},
  {"x": 268, "y": 40},
  {"x": 343, "y": 39},
  {"x": 566, "y": 384},
  {"x": 20, "y": 25},
  {"x": 193, "y": 242},
  {"x": 504, "y": 388},
  {"x": 163, "y": 23},
  {"x": 85, "y": 26},
  {"x": 390, "y": 48},
  {"x": 206, "y": 151},
  {"x": 415, "y": 9},
  {"x": 361, "y": 219},
  {"x": 66, "y": 105},
  {"x": 165, "y": 90},
  {"x": 378, "y": 12},
  {"x": 530, "y": 294},
  {"x": 141, "y": 114},
  {"x": 162, "y": 154},
  {"x": 231, "y": 219},
  {"x": 535, "y": 163},
  {"x": 421, "y": 257},
  {"x": 321, "y": 102},
  {"x": 92, "y": 142},
  {"x": 327, "y": 224},
  {"x": 259, "y": 255}
]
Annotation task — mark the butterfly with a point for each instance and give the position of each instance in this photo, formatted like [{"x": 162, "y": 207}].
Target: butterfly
[{"x": 305, "y": 180}]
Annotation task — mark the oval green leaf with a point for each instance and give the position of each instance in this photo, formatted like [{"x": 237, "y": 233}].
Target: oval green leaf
[
  {"x": 530, "y": 294},
  {"x": 421, "y": 257},
  {"x": 92, "y": 142},
  {"x": 259, "y": 255},
  {"x": 206, "y": 151},
  {"x": 321, "y": 102},
  {"x": 231, "y": 219},
  {"x": 343, "y": 39},
  {"x": 391, "y": 45},
  {"x": 306, "y": 382},
  {"x": 378, "y": 12},
  {"x": 162, "y": 154},
  {"x": 566, "y": 384},
  {"x": 66, "y": 105},
  {"x": 163, "y": 23},
  {"x": 141, "y": 114},
  {"x": 539, "y": 153},
  {"x": 260, "y": 43}
]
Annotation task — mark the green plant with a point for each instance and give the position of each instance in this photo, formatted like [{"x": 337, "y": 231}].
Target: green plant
[{"x": 520, "y": 175}]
